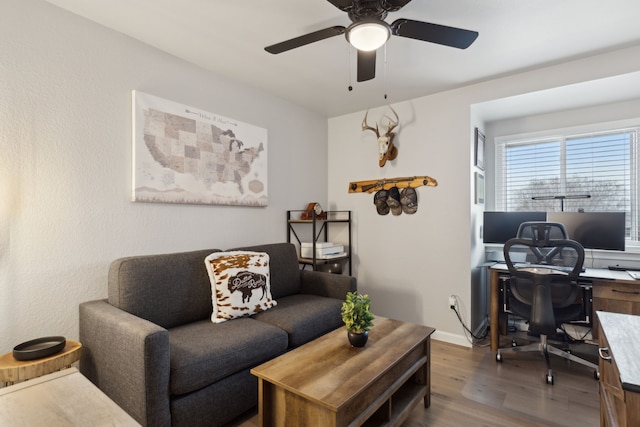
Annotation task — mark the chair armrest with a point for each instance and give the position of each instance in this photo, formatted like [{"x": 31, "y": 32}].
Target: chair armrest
[
  {"x": 127, "y": 357},
  {"x": 326, "y": 284}
]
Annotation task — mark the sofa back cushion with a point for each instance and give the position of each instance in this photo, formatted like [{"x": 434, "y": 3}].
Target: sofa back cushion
[
  {"x": 169, "y": 289},
  {"x": 285, "y": 270}
]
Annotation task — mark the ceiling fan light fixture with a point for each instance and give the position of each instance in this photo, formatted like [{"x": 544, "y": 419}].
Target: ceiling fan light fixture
[{"x": 368, "y": 35}]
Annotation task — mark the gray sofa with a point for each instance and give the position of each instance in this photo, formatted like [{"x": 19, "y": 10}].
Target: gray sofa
[{"x": 152, "y": 348}]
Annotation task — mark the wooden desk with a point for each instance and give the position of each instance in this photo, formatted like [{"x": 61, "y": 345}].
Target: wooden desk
[
  {"x": 12, "y": 370},
  {"x": 619, "y": 369},
  {"x": 329, "y": 383},
  {"x": 613, "y": 291},
  {"x": 64, "y": 398}
]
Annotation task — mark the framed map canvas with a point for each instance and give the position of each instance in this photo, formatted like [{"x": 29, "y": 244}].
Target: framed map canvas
[{"x": 185, "y": 155}]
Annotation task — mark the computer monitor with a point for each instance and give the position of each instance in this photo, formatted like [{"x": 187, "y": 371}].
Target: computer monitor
[
  {"x": 593, "y": 230},
  {"x": 498, "y": 227}
]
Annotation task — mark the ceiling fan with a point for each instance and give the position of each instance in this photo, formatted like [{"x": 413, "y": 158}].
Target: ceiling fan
[{"x": 368, "y": 31}]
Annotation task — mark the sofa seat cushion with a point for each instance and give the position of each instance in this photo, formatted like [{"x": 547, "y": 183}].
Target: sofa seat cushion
[
  {"x": 204, "y": 352},
  {"x": 305, "y": 317}
]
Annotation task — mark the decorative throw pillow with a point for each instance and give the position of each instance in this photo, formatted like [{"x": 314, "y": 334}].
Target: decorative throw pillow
[{"x": 240, "y": 284}]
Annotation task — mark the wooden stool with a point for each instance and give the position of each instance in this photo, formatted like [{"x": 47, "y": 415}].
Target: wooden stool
[{"x": 12, "y": 370}]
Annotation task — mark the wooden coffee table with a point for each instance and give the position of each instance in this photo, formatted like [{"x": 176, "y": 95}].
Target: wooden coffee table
[{"x": 327, "y": 382}]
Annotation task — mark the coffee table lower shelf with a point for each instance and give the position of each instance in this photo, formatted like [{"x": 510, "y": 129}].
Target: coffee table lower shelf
[
  {"x": 394, "y": 406},
  {"x": 327, "y": 382}
]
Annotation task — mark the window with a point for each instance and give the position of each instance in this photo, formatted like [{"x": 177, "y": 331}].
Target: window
[{"x": 594, "y": 171}]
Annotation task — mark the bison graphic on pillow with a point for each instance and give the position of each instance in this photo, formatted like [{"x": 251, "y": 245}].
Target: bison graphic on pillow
[{"x": 240, "y": 284}]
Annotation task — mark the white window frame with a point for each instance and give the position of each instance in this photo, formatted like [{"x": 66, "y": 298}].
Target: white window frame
[{"x": 570, "y": 132}]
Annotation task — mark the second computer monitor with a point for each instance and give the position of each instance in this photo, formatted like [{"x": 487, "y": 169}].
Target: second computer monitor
[{"x": 593, "y": 230}]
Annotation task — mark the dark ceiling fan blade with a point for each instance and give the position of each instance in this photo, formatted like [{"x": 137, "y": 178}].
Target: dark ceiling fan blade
[
  {"x": 343, "y": 5},
  {"x": 394, "y": 5},
  {"x": 434, "y": 33},
  {"x": 388, "y": 5},
  {"x": 304, "y": 40},
  {"x": 366, "y": 65}
]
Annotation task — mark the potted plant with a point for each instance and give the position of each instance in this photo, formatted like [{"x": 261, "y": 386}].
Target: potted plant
[{"x": 357, "y": 317}]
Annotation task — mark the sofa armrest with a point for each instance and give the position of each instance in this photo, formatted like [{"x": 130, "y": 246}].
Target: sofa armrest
[
  {"x": 127, "y": 357},
  {"x": 326, "y": 284}
]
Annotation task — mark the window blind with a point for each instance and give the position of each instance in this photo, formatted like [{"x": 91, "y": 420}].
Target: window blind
[{"x": 602, "y": 165}]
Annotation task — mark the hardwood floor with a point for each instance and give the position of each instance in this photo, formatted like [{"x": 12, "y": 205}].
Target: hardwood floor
[{"x": 469, "y": 388}]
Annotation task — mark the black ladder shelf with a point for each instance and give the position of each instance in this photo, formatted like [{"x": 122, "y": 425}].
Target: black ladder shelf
[{"x": 319, "y": 230}]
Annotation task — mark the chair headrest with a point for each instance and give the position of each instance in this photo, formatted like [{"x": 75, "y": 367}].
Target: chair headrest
[{"x": 542, "y": 232}]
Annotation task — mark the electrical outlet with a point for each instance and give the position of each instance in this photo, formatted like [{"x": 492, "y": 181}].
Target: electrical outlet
[{"x": 452, "y": 302}]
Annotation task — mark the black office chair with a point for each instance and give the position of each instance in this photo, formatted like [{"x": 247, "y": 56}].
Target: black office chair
[
  {"x": 530, "y": 230},
  {"x": 544, "y": 267}
]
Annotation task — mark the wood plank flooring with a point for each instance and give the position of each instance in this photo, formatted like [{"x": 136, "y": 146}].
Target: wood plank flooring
[{"x": 469, "y": 388}]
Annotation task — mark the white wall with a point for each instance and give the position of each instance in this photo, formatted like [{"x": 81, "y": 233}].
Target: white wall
[
  {"x": 65, "y": 167},
  {"x": 399, "y": 259},
  {"x": 411, "y": 264},
  {"x": 624, "y": 110}
]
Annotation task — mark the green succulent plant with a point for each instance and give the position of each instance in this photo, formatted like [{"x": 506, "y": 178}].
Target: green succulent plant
[{"x": 356, "y": 313}]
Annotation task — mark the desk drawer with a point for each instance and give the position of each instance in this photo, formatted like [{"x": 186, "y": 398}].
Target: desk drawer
[
  {"x": 618, "y": 291},
  {"x": 614, "y": 297}
]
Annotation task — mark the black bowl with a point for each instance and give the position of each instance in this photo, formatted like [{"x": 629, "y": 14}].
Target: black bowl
[{"x": 40, "y": 347}]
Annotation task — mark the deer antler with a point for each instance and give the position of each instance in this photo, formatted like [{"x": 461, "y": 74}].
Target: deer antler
[
  {"x": 392, "y": 123},
  {"x": 365, "y": 126},
  {"x": 386, "y": 149}
]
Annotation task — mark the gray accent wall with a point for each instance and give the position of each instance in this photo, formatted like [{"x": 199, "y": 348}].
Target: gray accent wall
[{"x": 65, "y": 164}]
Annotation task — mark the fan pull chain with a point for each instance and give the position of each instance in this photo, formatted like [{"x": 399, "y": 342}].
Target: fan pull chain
[
  {"x": 384, "y": 77},
  {"x": 350, "y": 87}
]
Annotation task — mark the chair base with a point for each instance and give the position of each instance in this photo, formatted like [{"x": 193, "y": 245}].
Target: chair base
[{"x": 545, "y": 349}]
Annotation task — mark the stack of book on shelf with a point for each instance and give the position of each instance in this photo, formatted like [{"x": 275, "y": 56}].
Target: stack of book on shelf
[{"x": 324, "y": 250}]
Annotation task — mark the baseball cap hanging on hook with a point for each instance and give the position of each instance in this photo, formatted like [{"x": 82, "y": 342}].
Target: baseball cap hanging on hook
[
  {"x": 409, "y": 200},
  {"x": 380, "y": 200},
  {"x": 394, "y": 201}
]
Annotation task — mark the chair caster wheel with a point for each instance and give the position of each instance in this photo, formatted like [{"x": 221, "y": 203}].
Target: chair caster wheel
[
  {"x": 498, "y": 357},
  {"x": 550, "y": 379}
]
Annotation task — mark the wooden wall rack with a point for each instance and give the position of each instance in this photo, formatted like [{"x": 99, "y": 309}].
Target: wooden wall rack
[{"x": 373, "y": 185}]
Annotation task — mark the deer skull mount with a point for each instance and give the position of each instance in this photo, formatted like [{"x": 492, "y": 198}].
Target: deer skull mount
[{"x": 386, "y": 149}]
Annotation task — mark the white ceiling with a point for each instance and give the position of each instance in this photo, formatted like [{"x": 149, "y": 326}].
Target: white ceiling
[{"x": 228, "y": 38}]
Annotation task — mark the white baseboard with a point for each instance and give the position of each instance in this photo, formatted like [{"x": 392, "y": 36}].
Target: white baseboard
[{"x": 460, "y": 340}]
